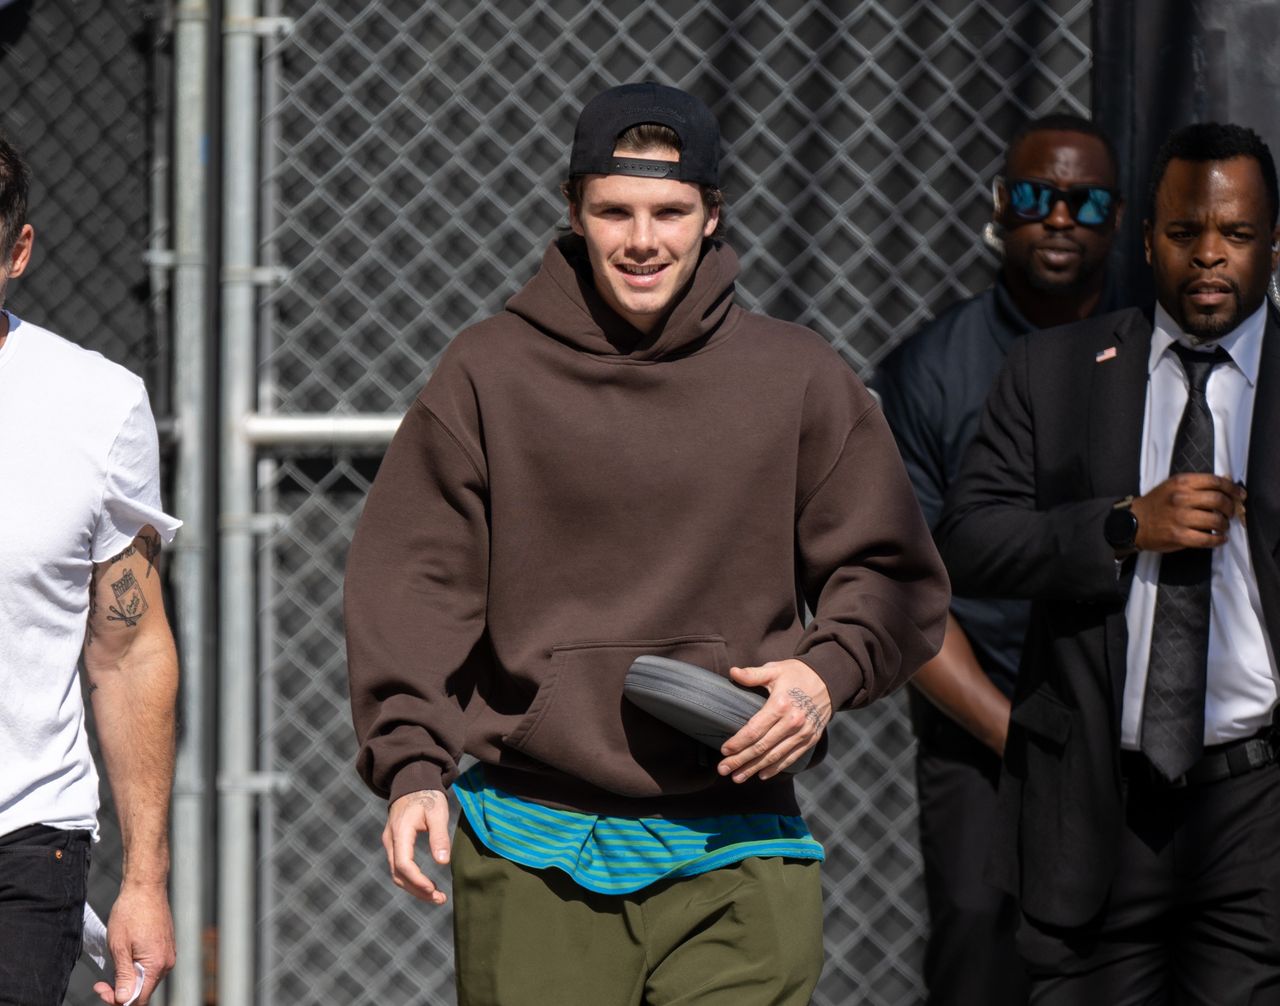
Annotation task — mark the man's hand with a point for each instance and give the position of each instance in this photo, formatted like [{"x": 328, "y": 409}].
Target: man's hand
[
  {"x": 1190, "y": 510},
  {"x": 954, "y": 682},
  {"x": 426, "y": 810},
  {"x": 791, "y": 721},
  {"x": 140, "y": 929}
]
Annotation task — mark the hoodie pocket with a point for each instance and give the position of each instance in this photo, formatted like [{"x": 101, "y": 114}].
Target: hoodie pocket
[{"x": 581, "y": 724}]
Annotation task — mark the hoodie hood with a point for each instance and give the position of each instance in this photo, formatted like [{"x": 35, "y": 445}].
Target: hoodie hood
[{"x": 562, "y": 301}]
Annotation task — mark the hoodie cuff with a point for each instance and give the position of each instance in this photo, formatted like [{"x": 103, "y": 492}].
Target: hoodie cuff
[
  {"x": 415, "y": 776},
  {"x": 844, "y": 680}
]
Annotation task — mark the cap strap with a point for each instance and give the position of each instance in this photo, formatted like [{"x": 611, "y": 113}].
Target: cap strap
[{"x": 643, "y": 167}]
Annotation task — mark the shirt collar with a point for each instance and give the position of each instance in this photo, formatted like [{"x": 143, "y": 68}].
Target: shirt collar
[{"x": 1243, "y": 343}]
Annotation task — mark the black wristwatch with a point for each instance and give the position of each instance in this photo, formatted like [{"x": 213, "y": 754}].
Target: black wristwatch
[{"x": 1121, "y": 526}]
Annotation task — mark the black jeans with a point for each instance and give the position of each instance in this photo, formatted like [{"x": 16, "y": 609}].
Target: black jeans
[{"x": 43, "y": 873}]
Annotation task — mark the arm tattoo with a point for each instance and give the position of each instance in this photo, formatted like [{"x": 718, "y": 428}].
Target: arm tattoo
[
  {"x": 805, "y": 704},
  {"x": 93, "y": 609},
  {"x": 150, "y": 550},
  {"x": 130, "y": 604},
  {"x": 149, "y": 543}
]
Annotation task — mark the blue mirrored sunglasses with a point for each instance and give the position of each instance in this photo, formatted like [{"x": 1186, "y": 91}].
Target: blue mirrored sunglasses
[{"x": 1089, "y": 205}]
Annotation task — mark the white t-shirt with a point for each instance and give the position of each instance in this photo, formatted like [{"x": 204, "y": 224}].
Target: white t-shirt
[{"x": 79, "y": 478}]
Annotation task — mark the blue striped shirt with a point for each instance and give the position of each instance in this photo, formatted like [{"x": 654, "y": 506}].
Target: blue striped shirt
[{"x": 618, "y": 855}]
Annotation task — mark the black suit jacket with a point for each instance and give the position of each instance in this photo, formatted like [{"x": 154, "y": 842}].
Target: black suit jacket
[{"x": 1058, "y": 444}]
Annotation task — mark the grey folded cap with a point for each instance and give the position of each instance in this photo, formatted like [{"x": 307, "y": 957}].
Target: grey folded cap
[{"x": 694, "y": 700}]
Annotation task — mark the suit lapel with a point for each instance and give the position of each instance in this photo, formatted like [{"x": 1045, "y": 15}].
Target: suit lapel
[
  {"x": 1116, "y": 411},
  {"x": 1263, "y": 477},
  {"x": 1117, "y": 404}
]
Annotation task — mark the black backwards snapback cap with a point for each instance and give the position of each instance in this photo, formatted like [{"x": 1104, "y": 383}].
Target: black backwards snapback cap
[{"x": 611, "y": 113}]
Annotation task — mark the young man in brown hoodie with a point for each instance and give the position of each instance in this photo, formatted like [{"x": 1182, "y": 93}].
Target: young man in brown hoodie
[{"x": 626, "y": 462}]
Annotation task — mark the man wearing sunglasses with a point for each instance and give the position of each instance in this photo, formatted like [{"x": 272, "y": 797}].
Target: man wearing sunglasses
[
  {"x": 1056, "y": 209},
  {"x": 1139, "y": 816}
]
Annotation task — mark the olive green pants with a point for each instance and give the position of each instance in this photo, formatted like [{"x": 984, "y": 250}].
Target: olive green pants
[{"x": 745, "y": 935}]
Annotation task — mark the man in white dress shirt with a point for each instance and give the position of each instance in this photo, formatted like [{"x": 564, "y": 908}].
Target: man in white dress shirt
[{"x": 1127, "y": 480}]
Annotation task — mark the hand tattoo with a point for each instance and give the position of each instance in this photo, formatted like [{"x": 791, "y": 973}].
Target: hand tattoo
[{"x": 805, "y": 704}]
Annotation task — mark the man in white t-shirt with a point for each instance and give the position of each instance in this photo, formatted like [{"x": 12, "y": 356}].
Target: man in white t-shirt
[{"x": 81, "y": 526}]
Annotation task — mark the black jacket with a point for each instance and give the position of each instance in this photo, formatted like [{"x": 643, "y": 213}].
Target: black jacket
[
  {"x": 932, "y": 388},
  {"x": 1058, "y": 444}
]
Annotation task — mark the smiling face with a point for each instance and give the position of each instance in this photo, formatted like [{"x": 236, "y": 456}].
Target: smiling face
[
  {"x": 1211, "y": 244},
  {"x": 643, "y": 236},
  {"x": 1056, "y": 255}
]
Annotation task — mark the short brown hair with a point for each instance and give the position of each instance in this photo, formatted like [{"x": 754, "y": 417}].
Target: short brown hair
[{"x": 15, "y": 181}]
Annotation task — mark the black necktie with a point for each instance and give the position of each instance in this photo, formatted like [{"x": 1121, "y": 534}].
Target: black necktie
[{"x": 1173, "y": 706}]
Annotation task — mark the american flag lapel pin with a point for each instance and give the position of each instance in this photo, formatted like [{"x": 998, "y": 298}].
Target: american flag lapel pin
[{"x": 1103, "y": 355}]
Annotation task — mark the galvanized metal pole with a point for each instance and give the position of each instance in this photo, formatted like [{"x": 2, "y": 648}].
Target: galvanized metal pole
[
  {"x": 265, "y": 472},
  {"x": 191, "y": 565},
  {"x": 159, "y": 253},
  {"x": 360, "y": 430},
  {"x": 236, "y": 964}
]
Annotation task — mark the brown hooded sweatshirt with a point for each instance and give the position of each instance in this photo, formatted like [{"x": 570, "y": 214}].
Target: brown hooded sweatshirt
[{"x": 567, "y": 493}]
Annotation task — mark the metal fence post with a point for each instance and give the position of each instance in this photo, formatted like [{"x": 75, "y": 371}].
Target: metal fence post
[
  {"x": 191, "y": 560},
  {"x": 236, "y": 966}
]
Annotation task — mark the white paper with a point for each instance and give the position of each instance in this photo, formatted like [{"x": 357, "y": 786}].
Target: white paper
[
  {"x": 95, "y": 948},
  {"x": 95, "y": 938},
  {"x": 139, "y": 976}
]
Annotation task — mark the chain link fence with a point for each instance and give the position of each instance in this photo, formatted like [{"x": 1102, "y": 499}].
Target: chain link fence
[
  {"x": 411, "y": 170},
  {"x": 410, "y": 175},
  {"x": 81, "y": 103}
]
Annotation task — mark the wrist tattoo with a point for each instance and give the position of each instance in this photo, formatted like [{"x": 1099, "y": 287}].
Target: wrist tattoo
[{"x": 802, "y": 701}]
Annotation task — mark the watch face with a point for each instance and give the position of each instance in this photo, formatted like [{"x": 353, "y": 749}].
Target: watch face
[{"x": 1121, "y": 528}]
